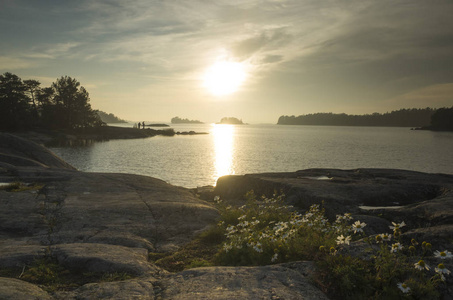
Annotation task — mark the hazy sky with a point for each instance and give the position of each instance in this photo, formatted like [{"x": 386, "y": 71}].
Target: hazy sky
[{"x": 146, "y": 60}]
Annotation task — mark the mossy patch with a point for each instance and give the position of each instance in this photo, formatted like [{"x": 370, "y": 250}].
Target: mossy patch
[
  {"x": 200, "y": 252},
  {"x": 21, "y": 187},
  {"x": 51, "y": 276}
]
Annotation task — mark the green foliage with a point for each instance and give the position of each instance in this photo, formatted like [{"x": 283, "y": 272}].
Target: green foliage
[
  {"x": 198, "y": 263},
  {"x": 51, "y": 276},
  {"x": 20, "y": 187},
  {"x": 24, "y": 104},
  {"x": 344, "y": 276},
  {"x": 15, "y": 109},
  {"x": 44, "y": 271},
  {"x": 266, "y": 231},
  {"x": 199, "y": 252}
]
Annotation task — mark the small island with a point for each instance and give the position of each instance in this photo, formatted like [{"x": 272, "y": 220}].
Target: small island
[
  {"x": 178, "y": 120},
  {"x": 231, "y": 120},
  {"x": 157, "y": 125}
]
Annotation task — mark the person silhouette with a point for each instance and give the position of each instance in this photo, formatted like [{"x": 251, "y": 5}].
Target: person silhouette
[
  {"x": 138, "y": 125},
  {"x": 143, "y": 124}
]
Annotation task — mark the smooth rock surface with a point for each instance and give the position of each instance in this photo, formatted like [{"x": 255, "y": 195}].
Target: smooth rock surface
[
  {"x": 421, "y": 200},
  {"x": 128, "y": 289},
  {"x": 17, "y": 289},
  {"x": 284, "y": 281}
]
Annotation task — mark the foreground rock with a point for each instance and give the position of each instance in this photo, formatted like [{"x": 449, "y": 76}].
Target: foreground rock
[
  {"x": 376, "y": 196},
  {"x": 284, "y": 281},
  {"x": 108, "y": 223}
]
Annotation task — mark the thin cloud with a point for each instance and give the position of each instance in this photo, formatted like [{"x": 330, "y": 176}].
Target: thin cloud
[
  {"x": 9, "y": 63},
  {"x": 437, "y": 95},
  {"x": 265, "y": 41}
]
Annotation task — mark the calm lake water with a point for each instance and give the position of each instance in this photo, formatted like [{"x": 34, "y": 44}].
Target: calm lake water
[{"x": 199, "y": 160}]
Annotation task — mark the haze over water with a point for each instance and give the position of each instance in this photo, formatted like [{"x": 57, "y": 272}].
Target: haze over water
[{"x": 199, "y": 160}]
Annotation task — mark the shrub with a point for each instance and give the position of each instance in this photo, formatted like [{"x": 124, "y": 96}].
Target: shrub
[{"x": 266, "y": 231}]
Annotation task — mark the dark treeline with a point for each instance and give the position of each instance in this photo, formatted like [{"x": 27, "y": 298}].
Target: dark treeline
[
  {"x": 442, "y": 119},
  {"x": 400, "y": 118},
  {"x": 24, "y": 104},
  {"x": 109, "y": 118},
  {"x": 178, "y": 120}
]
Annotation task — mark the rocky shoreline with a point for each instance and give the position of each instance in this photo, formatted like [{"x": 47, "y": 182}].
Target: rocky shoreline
[
  {"x": 93, "y": 224},
  {"x": 90, "y": 135}
]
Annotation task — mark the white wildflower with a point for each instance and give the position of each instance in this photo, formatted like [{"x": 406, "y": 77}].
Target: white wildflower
[
  {"x": 396, "y": 247},
  {"x": 343, "y": 240},
  {"x": 404, "y": 288},
  {"x": 443, "y": 254},
  {"x": 274, "y": 257},
  {"x": 358, "y": 226},
  {"x": 421, "y": 265},
  {"x": 227, "y": 247},
  {"x": 397, "y": 225},
  {"x": 442, "y": 270}
]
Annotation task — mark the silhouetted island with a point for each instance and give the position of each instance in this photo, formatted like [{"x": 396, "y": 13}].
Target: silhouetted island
[
  {"x": 178, "y": 120},
  {"x": 400, "y": 118},
  {"x": 157, "y": 125},
  {"x": 231, "y": 120},
  {"x": 109, "y": 117}
]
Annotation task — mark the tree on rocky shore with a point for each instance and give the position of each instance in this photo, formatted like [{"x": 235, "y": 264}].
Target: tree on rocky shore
[
  {"x": 24, "y": 104},
  {"x": 14, "y": 103}
]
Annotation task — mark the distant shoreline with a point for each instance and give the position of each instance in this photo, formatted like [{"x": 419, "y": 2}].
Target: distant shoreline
[{"x": 62, "y": 137}]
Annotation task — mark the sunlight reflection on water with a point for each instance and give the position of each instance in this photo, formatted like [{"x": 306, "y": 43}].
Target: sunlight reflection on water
[
  {"x": 198, "y": 160},
  {"x": 223, "y": 147}
]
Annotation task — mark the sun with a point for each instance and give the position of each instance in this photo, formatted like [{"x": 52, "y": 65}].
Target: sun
[{"x": 224, "y": 77}]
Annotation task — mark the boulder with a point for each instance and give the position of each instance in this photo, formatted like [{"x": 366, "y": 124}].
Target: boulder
[
  {"x": 17, "y": 289},
  {"x": 18, "y": 151},
  {"x": 102, "y": 258}
]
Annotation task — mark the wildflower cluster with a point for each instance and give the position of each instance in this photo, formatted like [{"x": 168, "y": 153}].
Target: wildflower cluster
[
  {"x": 268, "y": 231},
  {"x": 391, "y": 262}
]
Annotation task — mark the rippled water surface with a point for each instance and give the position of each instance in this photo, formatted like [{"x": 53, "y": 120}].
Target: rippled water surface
[{"x": 199, "y": 160}]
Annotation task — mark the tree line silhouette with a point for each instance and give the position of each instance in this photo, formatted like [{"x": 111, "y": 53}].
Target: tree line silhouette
[
  {"x": 440, "y": 119},
  {"x": 24, "y": 104}
]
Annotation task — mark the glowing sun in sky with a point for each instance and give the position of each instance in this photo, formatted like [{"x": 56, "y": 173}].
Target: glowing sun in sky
[{"x": 224, "y": 77}]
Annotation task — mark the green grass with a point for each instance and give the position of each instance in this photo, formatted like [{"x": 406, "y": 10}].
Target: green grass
[
  {"x": 51, "y": 276},
  {"x": 200, "y": 252},
  {"x": 20, "y": 187}
]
